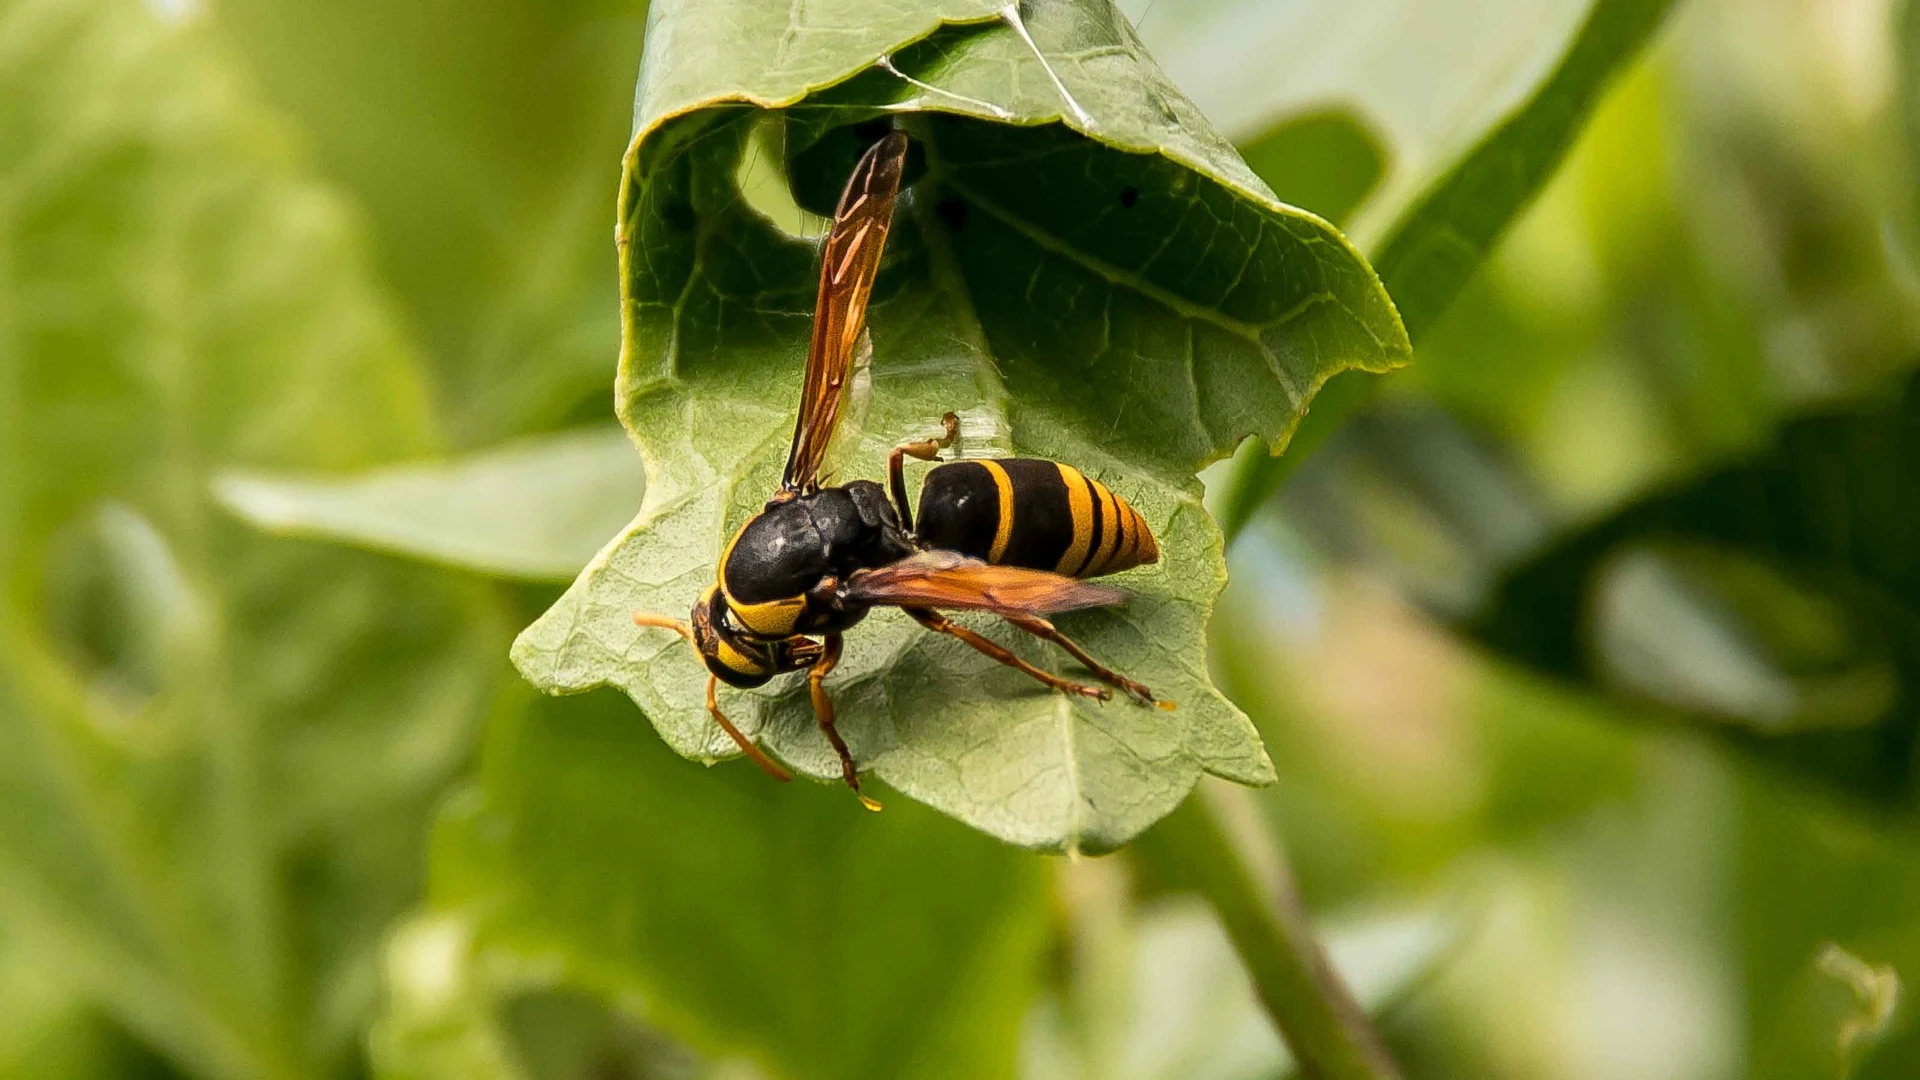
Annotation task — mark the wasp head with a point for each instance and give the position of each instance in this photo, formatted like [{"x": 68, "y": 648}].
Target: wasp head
[{"x": 736, "y": 657}]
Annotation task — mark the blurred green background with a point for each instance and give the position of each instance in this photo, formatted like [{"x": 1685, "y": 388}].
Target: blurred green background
[{"x": 1586, "y": 648}]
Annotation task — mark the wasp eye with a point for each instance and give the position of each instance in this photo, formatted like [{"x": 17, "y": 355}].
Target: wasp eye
[{"x": 735, "y": 660}]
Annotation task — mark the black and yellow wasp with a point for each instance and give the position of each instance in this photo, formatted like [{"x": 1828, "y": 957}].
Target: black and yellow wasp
[{"x": 1011, "y": 536}]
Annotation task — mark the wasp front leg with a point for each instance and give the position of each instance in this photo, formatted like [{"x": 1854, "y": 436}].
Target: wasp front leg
[
  {"x": 922, "y": 450},
  {"x": 746, "y": 745},
  {"x": 823, "y": 712}
]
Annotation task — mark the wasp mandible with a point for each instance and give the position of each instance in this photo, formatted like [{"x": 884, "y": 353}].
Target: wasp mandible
[{"x": 1009, "y": 536}]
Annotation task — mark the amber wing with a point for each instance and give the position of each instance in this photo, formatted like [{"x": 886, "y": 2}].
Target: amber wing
[
  {"x": 942, "y": 579},
  {"x": 851, "y": 260}
]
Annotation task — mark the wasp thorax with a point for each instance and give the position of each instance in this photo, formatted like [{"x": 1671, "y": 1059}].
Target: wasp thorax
[{"x": 777, "y": 575}]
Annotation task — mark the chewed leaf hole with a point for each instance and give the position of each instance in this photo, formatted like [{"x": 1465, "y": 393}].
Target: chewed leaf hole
[
  {"x": 1328, "y": 162},
  {"x": 762, "y": 181}
]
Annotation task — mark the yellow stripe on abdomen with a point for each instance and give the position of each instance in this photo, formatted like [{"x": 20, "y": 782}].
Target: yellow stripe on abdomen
[
  {"x": 1080, "y": 503},
  {"x": 1003, "y": 531},
  {"x": 1103, "y": 544}
]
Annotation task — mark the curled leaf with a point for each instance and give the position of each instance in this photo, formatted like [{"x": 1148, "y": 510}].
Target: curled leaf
[{"x": 1079, "y": 258}]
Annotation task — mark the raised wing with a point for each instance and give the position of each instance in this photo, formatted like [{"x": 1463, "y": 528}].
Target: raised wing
[
  {"x": 942, "y": 579},
  {"x": 851, "y": 259}
]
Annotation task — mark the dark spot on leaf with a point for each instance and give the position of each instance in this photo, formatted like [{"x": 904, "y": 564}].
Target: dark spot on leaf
[
  {"x": 678, "y": 216},
  {"x": 1129, "y": 196},
  {"x": 953, "y": 212}
]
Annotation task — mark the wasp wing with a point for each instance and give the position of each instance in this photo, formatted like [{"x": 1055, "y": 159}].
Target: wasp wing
[
  {"x": 842, "y": 455},
  {"x": 848, "y": 266},
  {"x": 943, "y": 579}
]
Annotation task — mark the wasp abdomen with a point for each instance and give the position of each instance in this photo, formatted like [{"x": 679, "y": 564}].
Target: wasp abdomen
[{"x": 1033, "y": 513}]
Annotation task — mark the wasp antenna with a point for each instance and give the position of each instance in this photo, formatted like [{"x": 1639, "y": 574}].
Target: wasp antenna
[{"x": 663, "y": 622}]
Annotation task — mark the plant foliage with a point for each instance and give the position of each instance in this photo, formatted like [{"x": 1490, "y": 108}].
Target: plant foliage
[{"x": 1086, "y": 272}]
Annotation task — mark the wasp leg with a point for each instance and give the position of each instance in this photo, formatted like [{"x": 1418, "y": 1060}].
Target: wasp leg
[
  {"x": 940, "y": 624},
  {"x": 923, "y": 450},
  {"x": 823, "y": 712},
  {"x": 1041, "y": 628},
  {"x": 759, "y": 756}
]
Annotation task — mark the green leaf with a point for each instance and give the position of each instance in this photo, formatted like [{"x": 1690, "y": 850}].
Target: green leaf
[
  {"x": 477, "y": 144},
  {"x": 1797, "y": 571},
  {"x": 1084, "y": 271},
  {"x": 216, "y": 750},
  {"x": 1904, "y": 214},
  {"x": 753, "y": 922},
  {"x": 1773, "y": 600},
  {"x": 535, "y": 509},
  {"x": 1435, "y": 244},
  {"x": 1483, "y": 94},
  {"x": 1472, "y": 134},
  {"x": 52, "y": 1028}
]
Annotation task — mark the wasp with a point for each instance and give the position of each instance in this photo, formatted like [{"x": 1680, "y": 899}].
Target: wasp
[{"x": 1014, "y": 537}]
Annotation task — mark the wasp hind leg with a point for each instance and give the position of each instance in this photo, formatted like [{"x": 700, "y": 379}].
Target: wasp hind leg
[
  {"x": 922, "y": 450},
  {"x": 1041, "y": 628},
  {"x": 823, "y": 712},
  {"x": 940, "y": 624}
]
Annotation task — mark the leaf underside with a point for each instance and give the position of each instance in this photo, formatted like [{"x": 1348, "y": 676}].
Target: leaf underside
[{"x": 1083, "y": 271}]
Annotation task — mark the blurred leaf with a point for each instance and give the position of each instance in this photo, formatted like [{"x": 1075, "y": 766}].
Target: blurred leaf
[
  {"x": 1473, "y": 132},
  {"x": 1829, "y": 509},
  {"x": 534, "y": 509},
  {"x": 1815, "y": 879},
  {"x": 216, "y": 750},
  {"x": 777, "y": 925},
  {"x": 1437, "y": 84},
  {"x": 48, "y": 1031},
  {"x": 1435, "y": 244},
  {"x": 1046, "y": 283},
  {"x": 1187, "y": 1010},
  {"x": 1722, "y": 634},
  {"x": 1714, "y": 256},
  {"x": 77, "y": 1044},
  {"x": 569, "y": 1036},
  {"x": 1774, "y": 598},
  {"x": 481, "y": 142},
  {"x": 1907, "y": 47},
  {"x": 1399, "y": 780}
]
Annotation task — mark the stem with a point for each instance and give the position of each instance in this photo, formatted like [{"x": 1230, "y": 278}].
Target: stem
[{"x": 1218, "y": 844}]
